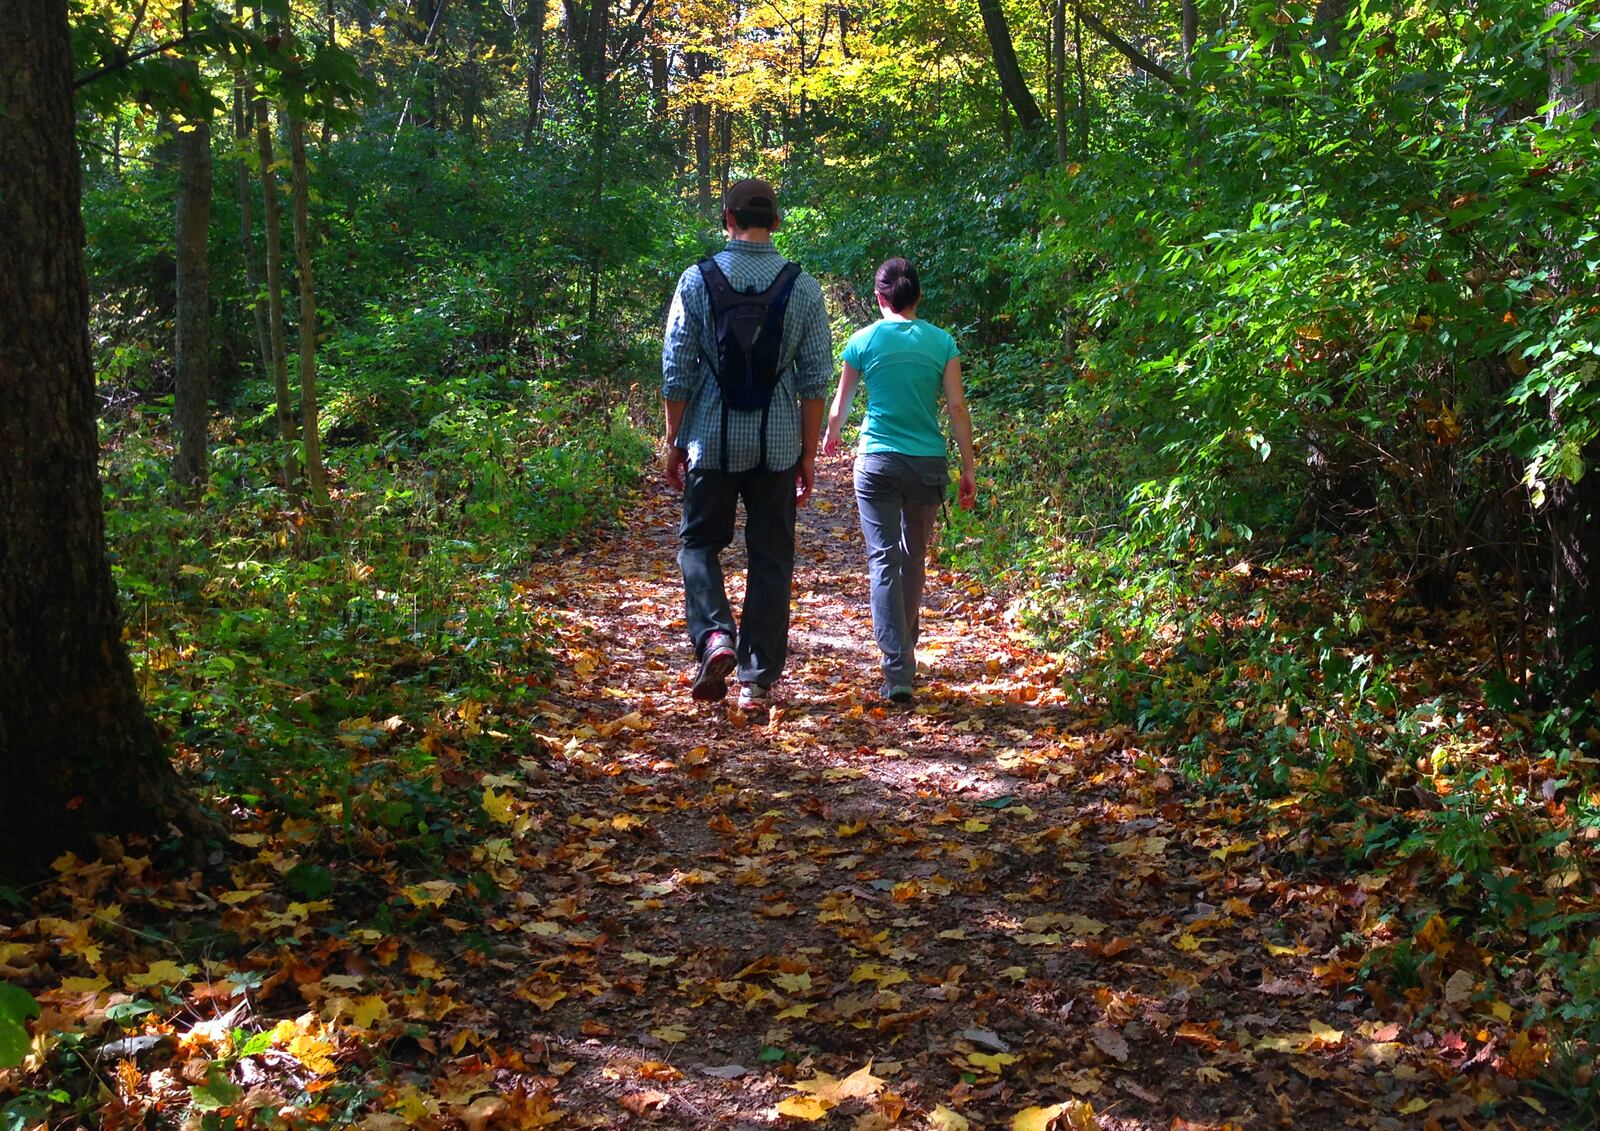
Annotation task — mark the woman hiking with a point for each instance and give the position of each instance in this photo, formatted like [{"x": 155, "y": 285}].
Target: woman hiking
[{"x": 901, "y": 470}]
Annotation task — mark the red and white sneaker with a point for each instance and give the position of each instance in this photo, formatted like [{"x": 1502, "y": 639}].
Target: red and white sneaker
[{"x": 711, "y": 681}]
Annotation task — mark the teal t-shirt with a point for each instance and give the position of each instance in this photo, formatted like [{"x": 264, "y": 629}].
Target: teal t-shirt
[{"x": 902, "y": 365}]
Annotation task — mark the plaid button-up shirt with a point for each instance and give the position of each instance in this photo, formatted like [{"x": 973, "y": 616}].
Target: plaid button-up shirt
[{"x": 805, "y": 363}]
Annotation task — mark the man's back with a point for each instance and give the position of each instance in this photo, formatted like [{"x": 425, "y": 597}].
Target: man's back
[{"x": 805, "y": 362}]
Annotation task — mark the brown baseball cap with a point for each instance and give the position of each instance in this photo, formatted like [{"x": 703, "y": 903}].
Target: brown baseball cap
[{"x": 751, "y": 195}]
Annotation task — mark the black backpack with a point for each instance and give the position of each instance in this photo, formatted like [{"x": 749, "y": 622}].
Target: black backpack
[{"x": 749, "y": 332}]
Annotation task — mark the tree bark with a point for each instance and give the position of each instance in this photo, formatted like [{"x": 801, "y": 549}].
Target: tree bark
[
  {"x": 311, "y": 446},
  {"x": 1574, "y": 507},
  {"x": 192, "y": 344},
  {"x": 1083, "y": 85},
  {"x": 243, "y": 96},
  {"x": 272, "y": 222},
  {"x": 1191, "y": 35},
  {"x": 1058, "y": 77},
  {"x": 1012, "y": 83},
  {"x": 77, "y": 753},
  {"x": 537, "y": 10},
  {"x": 699, "y": 65},
  {"x": 660, "y": 73}
]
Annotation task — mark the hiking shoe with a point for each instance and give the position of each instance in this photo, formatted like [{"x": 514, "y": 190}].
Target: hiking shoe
[
  {"x": 754, "y": 697},
  {"x": 711, "y": 681},
  {"x": 897, "y": 693}
]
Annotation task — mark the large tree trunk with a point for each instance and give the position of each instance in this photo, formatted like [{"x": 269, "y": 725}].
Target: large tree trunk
[
  {"x": 1574, "y": 507},
  {"x": 1014, "y": 86},
  {"x": 311, "y": 446},
  {"x": 77, "y": 754},
  {"x": 272, "y": 222},
  {"x": 192, "y": 400}
]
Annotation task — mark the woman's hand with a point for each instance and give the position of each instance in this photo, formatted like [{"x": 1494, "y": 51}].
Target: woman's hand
[
  {"x": 967, "y": 493},
  {"x": 830, "y": 441}
]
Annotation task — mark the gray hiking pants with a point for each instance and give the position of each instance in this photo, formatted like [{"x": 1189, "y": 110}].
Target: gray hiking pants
[{"x": 898, "y": 497}]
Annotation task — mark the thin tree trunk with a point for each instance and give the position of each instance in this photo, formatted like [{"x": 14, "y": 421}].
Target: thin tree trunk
[
  {"x": 536, "y": 16},
  {"x": 1058, "y": 75},
  {"x": 316, "y": 477},
  {"x": 1574, "y": 506},
  {"x": 242, "y": 97},
  {"x": 192, "y": 337},
  {"x": 724, "y": 151},
  {"x": 659, "y": 76},
  {"x": 1012, "y": 83},
  {"x": 1191, "y": 34},
  {"x": 698, "y": 66},
  {"x": 77, "y": 753},
  {"x": 1083, "y": 85},
  {"x": 272, "y": 221}
]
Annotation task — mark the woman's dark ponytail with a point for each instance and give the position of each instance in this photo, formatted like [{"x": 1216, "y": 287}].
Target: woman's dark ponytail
[{"x": 897, "y": 284}]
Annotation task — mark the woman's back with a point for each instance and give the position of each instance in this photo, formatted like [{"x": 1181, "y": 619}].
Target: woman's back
[{"x": 902, "y": 362}]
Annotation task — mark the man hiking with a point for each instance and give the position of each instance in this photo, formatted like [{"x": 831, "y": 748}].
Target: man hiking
[{"x": 746, "y": 363}]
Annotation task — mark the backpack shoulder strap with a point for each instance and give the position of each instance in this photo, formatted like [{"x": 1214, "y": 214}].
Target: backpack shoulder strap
[
  {"x": 784, "y": 283},
  {"x": 718, "y": 289}
]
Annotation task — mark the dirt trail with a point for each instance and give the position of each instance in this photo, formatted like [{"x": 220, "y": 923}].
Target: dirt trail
[{"x": 996, "y": 902}]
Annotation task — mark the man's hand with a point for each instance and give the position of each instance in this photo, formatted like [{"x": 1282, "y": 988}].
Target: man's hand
[
  {"x": 967, "y": 493},
  {"x": 675, "y": 462},
  {"x": 805, "y": 478}
]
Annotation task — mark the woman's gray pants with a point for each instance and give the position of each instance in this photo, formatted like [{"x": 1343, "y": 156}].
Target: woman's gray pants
[{"x": 898, "y": 497}]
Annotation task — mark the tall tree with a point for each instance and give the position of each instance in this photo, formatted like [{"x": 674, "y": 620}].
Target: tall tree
[
  {"x": 1012, "y": 82},
  {"x": 272, "y": 230},
  {"x": 77, "y": 753},
  {"x": 243, "y": 99},
  {"x": 311, "y": 441},
  {"x": 1058, "y": 75},
  {"x": 534, "y": 37},
  {"x": 192, "y": 399},
  {"x": 1574, "y": 500}
]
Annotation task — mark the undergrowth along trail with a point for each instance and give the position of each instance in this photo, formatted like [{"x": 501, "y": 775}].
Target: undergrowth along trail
[
  {"x": 987, "y": 903},
  {"x": 523, "y": 880}
]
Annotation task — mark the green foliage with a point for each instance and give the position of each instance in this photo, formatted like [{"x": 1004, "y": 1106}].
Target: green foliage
[
  {"x": 17, "y": 1007},
  {"x": 281, "y": 649}
]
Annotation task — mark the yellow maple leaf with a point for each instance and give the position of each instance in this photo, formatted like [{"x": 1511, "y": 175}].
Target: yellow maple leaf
[
  {"x": 366, "y": 1010},
  {"x": 1073, "y": 1115},
  {"x": 313, "y": 1052},
  {"x": 990, "y": 1061},
  {"x": 671, "y": 1034},
  {"x": 84, "y": 985},
  {"x": 808, "y": 1108},
  {"x": 859, "y": 1085},
  {"x": 413, "y": 1104},
  {"x": 162, "y": 973},
  {"x": 885, "y": 976},
  {"x": 424, "y": 966},
  {"x": 434, "y": 893},
  {"x": 500, "y": 806},
  {"x": 942, "y": 1118}
]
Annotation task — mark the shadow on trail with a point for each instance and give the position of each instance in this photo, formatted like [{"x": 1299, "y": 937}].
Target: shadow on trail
[{"x": 993, "y": 900}]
